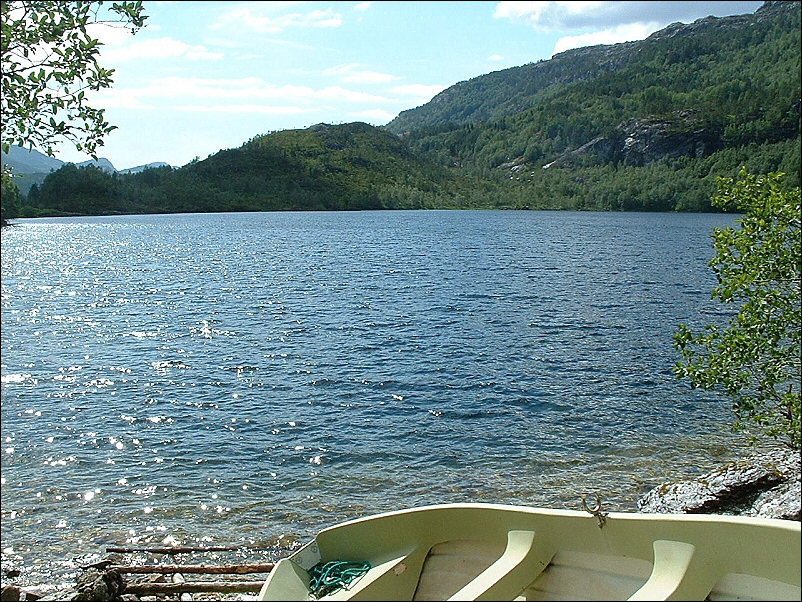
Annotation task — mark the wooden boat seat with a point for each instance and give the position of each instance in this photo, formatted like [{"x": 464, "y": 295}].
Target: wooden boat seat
[
  {"x": 520, "y": 563},
  {"x": 737, "y": 586},
  {"x": 671, "y": 561}
]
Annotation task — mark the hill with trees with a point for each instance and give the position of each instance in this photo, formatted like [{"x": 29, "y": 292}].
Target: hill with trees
[
  {"x": 645, "y": 125},
  {"x": 344, "y": 167}
]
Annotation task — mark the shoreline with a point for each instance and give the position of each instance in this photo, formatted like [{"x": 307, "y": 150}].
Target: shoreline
[{"x": 765, "y": 484}]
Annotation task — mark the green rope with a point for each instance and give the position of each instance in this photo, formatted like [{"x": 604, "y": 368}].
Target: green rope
[{"x": 328, "y": 577}]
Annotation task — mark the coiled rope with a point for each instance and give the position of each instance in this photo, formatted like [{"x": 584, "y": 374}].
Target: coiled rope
[{"x": 328, "y": 577}]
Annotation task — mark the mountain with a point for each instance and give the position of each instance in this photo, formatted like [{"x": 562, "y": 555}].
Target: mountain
[
  {"x": 23, "y": 160},
  {"x": 32, "y": 166},
  {"x": 324, "y": 167},
  {"x": 503, "y": 93},
  {"x": 644, "y": 126},
  {"x": 102, "y": 164},
  {"x": 141, "y": 168}
]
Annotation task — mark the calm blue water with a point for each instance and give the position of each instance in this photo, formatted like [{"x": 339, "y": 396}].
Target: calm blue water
[{"x": 251, "y": 378}]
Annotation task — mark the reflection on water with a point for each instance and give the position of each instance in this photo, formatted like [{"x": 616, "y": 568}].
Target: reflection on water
[{"x": 251, "y": 378}]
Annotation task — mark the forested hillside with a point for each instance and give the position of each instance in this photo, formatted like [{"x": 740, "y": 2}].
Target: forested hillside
[
  {"x": 344, "y": 167},
  {"x": 674, "y": 65},
  {"x": 644, "y": 125},
  {"x": 647, "y": 123}
]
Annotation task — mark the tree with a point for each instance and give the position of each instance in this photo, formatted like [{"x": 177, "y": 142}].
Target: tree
[
  {"x": 49, "y": 62},
  {"x": 9, "y": 206},
  {"x": 756, "y": 359}
]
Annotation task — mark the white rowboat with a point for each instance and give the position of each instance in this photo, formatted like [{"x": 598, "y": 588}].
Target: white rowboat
[{"x": 500, "y": 552}]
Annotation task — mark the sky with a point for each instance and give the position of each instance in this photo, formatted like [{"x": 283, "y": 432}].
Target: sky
[{"x": 201, "y": 77}]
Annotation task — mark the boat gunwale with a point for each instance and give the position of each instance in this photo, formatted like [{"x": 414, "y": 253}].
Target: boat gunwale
[{"x": 784, "y": 524}]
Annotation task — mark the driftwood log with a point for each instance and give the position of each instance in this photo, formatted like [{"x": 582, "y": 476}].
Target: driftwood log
[
  {"x": 105, "y": 580},
  {"x": 193, "y": 587},
  {"x": 209, "y": 569},
  {"x": 172, "y": 549}
]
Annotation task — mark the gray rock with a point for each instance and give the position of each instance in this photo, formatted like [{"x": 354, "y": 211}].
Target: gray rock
[
  {"x": 11, "y": 593},
  {"x": 766, "y": 485},
  {"x": 98, "y": 585},
  {"x": 780, "y": 502}
]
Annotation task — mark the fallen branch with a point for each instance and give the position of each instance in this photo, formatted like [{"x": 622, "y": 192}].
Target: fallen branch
[
  {"x": 235, "y": 569},
  {"x": 174, "y": 549},
  {"x": 197, "y": 587}
]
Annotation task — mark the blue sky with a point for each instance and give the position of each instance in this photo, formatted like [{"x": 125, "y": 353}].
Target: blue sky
[{"x": 205, "y": 76}]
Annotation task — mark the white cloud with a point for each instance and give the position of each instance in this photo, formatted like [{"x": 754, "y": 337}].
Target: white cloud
[
  {"x": 374, "y": 116},
  {"x": 267, "y": 24},
  {"x": 108, "y": 35},
  {"x": 370, "y": 77},
  {"x": 354, "y": 73},
  {"x": 250, "y": 57},
  {"x": 610, "y": 22},
  {"x": 419, "y": 91},
  {"x": 495, "y": 58},
  {"x": 549, "y": 16},
  {"x": 110, "y": 98},
  {"x": 568, "y": 15},
  {"x": 363, "y": 6},
  {"x": 623, "y": 33},
  {"x": 540, "y": 15},
  {"x": 159, "y": 48},
  {"x": 242, "y": 88},
  {"x": 245, "y": 108},
  {"x": 249, "y": 94},
  {"x": 343, "y": 94}
]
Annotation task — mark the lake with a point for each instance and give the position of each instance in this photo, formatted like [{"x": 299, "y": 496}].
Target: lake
[{"x": 247, "y": 379}]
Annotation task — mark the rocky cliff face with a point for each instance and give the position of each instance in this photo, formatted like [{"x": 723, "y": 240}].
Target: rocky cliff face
[
  {"x": 637, "y": 142},
  {"x": 766, "y": 485},
  {"x": 771, "y": 9},
  {"x": 645, "y": 140}
]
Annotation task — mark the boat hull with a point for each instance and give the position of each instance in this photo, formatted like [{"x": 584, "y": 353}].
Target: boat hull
[{"x": 499, "y": 552}]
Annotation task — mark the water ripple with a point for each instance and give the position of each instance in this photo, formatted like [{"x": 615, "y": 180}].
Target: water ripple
[{"x": 254, "y": 377}]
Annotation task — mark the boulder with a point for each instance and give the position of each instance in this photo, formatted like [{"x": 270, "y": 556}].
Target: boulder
[
  {"x": 95, "y": 584},
  {"x": 766, "y": 485}
]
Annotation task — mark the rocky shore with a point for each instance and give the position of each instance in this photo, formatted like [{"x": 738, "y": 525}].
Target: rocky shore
[{"x": 766, "y": 485}]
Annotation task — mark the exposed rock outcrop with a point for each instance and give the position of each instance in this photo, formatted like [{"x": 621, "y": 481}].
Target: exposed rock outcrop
[
  {"x": 638, "y": 142},
  {"x": 766, "y": 485},
  {"x": 647, "y": 140}
]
